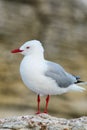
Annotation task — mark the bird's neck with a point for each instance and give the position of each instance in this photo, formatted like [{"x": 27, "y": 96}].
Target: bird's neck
[{"x": 36, "y": 56}]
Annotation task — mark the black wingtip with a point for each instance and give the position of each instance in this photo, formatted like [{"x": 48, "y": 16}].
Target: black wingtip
[{"x": 79, "y": 81}]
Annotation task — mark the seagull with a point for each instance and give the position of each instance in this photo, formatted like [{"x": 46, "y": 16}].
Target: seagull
[{"x": 44, "y": 77}]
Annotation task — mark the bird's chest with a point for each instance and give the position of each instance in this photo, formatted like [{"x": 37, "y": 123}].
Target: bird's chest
[{"x": 31, "y": 71}]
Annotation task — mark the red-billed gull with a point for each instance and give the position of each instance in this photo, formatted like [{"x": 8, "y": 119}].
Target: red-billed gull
[{"x": 44, "y": 77}]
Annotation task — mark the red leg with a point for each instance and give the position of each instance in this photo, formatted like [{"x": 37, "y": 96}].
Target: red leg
[
  {"x": 38, "y": 101},
  {"x": 47, "y": 101}
]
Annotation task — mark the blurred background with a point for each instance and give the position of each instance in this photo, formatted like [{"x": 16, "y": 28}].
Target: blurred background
[{"x": 61, "y": 25}]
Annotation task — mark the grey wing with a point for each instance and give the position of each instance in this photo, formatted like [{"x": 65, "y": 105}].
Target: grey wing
[{"x": 57, "y": 73}]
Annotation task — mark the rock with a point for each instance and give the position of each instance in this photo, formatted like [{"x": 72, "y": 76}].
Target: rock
[{"x": 43, "y": 122}]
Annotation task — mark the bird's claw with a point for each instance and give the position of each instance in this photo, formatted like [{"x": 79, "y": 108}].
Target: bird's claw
[
  {"x": 45, "y": 112},
  {"x": 38, "y": 112}
]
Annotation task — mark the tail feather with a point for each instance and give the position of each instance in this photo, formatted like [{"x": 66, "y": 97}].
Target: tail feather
[
  {"x": 75, "y": 87},
  {"x": 82, "y": 83}
]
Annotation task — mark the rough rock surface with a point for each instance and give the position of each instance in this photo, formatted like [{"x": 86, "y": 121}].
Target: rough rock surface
[{"x": 42, "y": 122}]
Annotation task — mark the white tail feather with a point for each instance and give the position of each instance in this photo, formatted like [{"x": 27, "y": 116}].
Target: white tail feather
[
  {"x": 75, "y": 87},
  {"x": 82, "y": 83}
]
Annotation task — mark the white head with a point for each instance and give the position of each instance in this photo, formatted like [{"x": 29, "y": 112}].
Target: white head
[{"x": 30, "y": 47}]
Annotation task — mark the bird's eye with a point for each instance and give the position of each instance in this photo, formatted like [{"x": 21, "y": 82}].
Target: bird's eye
[{"x": 27, "y": 47}]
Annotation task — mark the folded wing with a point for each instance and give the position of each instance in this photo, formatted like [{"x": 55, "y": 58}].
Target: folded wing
[{"x": 57, "y": 73}]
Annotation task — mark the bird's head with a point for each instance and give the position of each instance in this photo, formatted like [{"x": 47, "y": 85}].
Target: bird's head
[{"x": 29, "y": 47}]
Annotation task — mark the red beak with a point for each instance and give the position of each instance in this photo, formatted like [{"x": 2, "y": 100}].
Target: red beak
[{"x": 16, "y": 51}]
